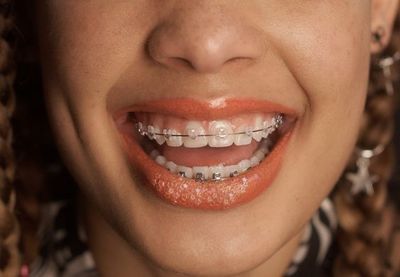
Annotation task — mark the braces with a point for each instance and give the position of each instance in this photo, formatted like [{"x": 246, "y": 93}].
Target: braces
[
  {"x": 215, "y": 177},
  {"x": 199, "y": 177},
  {"x": 277, "y": 121},
  {"x": 217, "y": 172}
]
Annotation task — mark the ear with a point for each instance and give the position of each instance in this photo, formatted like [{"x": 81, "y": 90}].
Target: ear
[{"x": 383, "y": 16}]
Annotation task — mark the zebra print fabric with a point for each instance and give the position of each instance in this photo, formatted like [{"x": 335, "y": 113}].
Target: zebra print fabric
[{"x": 64, "y": 252}]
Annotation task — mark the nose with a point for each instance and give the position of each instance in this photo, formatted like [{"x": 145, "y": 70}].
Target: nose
[{"x": 204, "y": 41}]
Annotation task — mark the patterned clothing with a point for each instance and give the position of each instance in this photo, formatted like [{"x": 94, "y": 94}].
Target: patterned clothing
[{"x": 65, "y": 253}]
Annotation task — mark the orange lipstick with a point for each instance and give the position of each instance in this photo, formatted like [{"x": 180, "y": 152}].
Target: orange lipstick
[{"x": 206, "y": 195}]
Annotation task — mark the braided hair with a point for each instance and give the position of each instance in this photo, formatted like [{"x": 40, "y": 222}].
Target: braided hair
[
  {"x": 9, "y": 229},
  {"x": 367, "y": 222}
]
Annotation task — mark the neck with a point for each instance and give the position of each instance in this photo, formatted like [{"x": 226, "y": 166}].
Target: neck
[{"x": 115, "y": 257}]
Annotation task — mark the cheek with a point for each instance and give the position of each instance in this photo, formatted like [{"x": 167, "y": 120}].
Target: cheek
[
  {"x": 330, "y": 61},
  {"x": 85, "y": 50}
]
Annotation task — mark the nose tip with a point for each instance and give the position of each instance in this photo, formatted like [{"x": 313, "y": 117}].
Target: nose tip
[{"x": 204, "y": 47}]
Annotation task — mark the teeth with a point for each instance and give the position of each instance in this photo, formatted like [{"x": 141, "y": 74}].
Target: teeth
[
  {"x": 231, "y": 171},
  {"x": 195, "y": 138},
  {"x": 220, "y": 134},
  {"x": 150, "y": 132},
  {"x": 185, "y": 171},
  {"x": 154, "y": 154},
  {"x": 245, "y": 138},
  {"x": 258, "y": 125},
  {"x": 215, "y": 173},
  {"x": 221, "y": 131},
  {"x": 255, "y": 161},
  {"x": 268, "y": 128},
  {"x": 171, "y": 166},
  {"x": 174, "y": 139},
  {"x": 200, "y": 173},
  {"x": 160, "y": 139},
  {"x": 260, "y": 154},
  {"x": 140, "y": 128},
  {"x": 265, "y": 144},
  {"x": 244, "y": 165},
  {"x": 161, "y": 160}
]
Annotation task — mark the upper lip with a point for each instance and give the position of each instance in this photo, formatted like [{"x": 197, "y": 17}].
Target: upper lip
[{"x": 218, "y": 108}]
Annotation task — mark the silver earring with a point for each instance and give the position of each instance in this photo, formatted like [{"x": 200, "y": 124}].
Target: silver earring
[
  {"x": 385, "y": 64},
  {"x": 363, "y": 181}
]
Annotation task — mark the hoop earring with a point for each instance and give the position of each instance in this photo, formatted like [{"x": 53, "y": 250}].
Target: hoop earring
[{"x": 362, "y": 181}]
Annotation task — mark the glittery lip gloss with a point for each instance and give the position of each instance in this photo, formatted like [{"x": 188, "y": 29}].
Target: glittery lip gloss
[{"x": 206, "y": 195}]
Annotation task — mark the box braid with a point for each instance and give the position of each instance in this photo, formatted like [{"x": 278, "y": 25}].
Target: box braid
[
  {"x": 367, "y": 223},
  {"x": 9, "y": 230}
]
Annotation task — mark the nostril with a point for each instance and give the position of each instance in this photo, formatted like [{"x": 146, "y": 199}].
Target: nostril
[
  {"x": 179, "y": 62},
  {"x": 204, "y": 48}
]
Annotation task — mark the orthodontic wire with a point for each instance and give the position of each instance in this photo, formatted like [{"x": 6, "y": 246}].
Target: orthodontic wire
[{"x": 278, "y": 122}]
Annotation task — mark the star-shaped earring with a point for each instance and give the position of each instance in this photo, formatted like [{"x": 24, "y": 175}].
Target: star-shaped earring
[{"x": 362, "y": 181}]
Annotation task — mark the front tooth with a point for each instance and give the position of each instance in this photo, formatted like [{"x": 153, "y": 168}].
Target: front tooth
[
  {"x": 171, "y": 166},
  {"x": 159, "y": 138},
  {"x": 174, "y": 139},
  {"x": 185, "y": 171},
  {"x": 245, "y": 138},
  {"x": 216, "y": 172},
  {"x": 195, "y": 138},
  {"x": 221, "y": 132},
  {"x": 231, "y": 171},
  {"x": 200, "y": 173},
  {"x": 244, "y": 165},
  {"x": 258, "y": 125}
]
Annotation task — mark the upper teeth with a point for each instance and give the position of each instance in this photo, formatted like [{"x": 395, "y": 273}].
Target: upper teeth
[{"x": 220, "y": 134}]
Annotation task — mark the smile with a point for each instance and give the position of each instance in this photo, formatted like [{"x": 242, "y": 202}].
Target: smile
[{"x": 196, "y": 154}]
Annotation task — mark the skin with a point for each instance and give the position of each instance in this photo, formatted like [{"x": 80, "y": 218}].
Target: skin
[{"x": 311, "y": 56}]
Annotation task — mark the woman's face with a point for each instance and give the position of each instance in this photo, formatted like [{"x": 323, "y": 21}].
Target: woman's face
[{"x": 103, "y": 61}]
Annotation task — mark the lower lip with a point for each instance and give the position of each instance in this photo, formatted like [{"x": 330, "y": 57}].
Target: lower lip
[{"x": 207, "y": 195}]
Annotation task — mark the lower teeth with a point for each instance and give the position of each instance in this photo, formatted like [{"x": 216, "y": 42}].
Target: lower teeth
[{"x": 213, "y": 173}]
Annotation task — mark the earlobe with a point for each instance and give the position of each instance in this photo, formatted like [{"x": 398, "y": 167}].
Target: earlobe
[{"x": 383, "y": 16}]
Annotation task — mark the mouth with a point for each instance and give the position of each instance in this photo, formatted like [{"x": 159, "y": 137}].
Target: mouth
[{"x": 206, "y": 155}]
